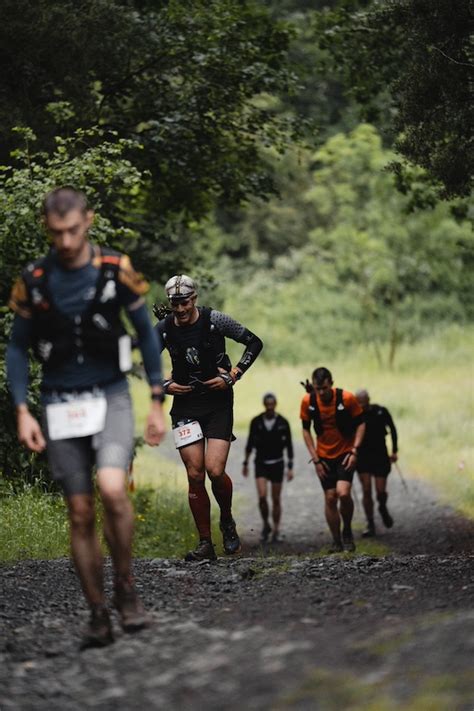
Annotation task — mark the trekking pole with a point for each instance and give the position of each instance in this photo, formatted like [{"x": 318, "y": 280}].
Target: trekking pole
[{"x": 401, "y": 476}]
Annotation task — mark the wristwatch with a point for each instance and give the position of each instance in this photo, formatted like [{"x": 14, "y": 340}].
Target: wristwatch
[{"x": 158, "y": 397}]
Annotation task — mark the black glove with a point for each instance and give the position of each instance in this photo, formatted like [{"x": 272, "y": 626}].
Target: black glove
[{"x": 161, "y": 311}]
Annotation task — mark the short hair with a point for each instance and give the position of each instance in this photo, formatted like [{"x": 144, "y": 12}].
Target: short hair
[
  {"x": 362, "y": 392},
  {"x": 321, "y": 374},
  {"x": 269, "y": 396},
  {"x": 64, "y": 199}
]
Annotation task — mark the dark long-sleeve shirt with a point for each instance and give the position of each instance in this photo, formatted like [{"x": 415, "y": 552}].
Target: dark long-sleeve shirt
[
  {"x": 378, "y": 422},
  {"x": 72, "y": 291},
  {"x": 189, "y": 340},
  {"x": 269, "y": 443}
]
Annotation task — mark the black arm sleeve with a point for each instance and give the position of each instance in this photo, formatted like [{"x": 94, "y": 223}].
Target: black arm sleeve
[
  {"x": 230, "y": 328},
  {"x": 289, "y": 446},
  {"x": 393, "y": 430},
  {"x": 251, "y": 440}
]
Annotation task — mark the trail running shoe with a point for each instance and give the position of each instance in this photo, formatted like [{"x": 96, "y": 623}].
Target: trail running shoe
[
  {"x": 336, "y": 547},
  {"x": 98, "y": 632},
  {"x": 230, "y": 537},
  {"x": 133, "y": 616},
  {"x": 386, "y": 518},
  {"x": 276, "y": 537},
  {"x": 348, "y": 544},
  {"x": 266, "y": 530},
  {"x": 203, "y": 551},
  {"x": 369, "y": 531}
]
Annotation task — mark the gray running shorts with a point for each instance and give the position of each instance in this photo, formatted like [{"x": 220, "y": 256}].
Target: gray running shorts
[{"x": 71, "y": 461}]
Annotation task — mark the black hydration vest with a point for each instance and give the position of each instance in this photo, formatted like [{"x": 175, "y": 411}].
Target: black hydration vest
[
  {"x": 203, "y": 357},
  {"x": 345, "y": 423},
  {"x": 58, "y": 337}
]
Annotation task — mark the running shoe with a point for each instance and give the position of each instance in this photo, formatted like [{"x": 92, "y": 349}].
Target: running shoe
[
  {"x": 203, "y": 551},
  {"x": 133, "y": 616},
  {"x": 386, "y": 518},
  {"x": 348, "y": 544},
  {"x": 230, "y": 537},
  {"x": 266, "y": 530},
  {"x": 98, "y": 632},
  {"x": 276, "y": 537},
  {"x": 336, "y": 547},
  {"x": 369, "y": 531}
]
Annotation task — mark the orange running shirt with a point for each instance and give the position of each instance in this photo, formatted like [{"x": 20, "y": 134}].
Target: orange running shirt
[{"x": 331, "y": 443}]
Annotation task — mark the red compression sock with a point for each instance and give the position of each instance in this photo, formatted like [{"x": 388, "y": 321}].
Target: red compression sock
[
  {"x": 222, "y": 490},
  {"x": 200, "y": 506}
]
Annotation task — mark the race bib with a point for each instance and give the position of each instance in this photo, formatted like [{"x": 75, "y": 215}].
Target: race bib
[
  {"x": 187, "y": 434},
  {"x": 76, "y": 418}
]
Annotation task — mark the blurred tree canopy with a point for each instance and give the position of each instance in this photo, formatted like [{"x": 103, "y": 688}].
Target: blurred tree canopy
[
  {"x": 416, "y": 55},
  {"x": 181, "y": 78},
  {"x": 342, "y": 258}
]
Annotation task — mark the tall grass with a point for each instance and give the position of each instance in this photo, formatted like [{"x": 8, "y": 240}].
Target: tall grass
[
  {"x": 35, "y": 525},
  {"x": 429, "y": 393}
]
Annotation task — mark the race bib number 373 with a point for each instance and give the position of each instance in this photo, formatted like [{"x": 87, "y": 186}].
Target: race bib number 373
[{"x": 77, "y": 418}]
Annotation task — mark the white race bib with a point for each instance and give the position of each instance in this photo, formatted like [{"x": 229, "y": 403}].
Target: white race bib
[
  {"x": 187, "y": 434},
  {"x": 76, "y": 418}
]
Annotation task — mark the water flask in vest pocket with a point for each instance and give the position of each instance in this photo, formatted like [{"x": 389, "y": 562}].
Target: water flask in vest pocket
[
  {"x": 125, "y": 353},
  {"x": 187, "y": 432}
]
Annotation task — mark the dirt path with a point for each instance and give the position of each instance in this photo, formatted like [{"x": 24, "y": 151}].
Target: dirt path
[{"x": 280, "y": 627}]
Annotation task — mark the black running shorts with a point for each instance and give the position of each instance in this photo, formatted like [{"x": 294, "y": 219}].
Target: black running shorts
[
  {"x": 336, "y": 472},
  {"x": 216, "y": 424},
  {"x": 272, "y": 472},
  {"x": 373, "y": 463}
]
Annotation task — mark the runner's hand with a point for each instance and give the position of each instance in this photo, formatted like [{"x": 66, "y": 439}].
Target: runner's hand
[
  {"x": 155, "y": 428},
  {"x": 29, "y": 432},
  {"x": 177, "y": 389},
  {"x": 217, "y": 383},
  {"x": 394, "y": 457},
  {"x": 321, "y": 469},
  {"x": 290, "y": 475},
  {"x": 245, "y": 470},
  {"x": 349, "y": 462}
]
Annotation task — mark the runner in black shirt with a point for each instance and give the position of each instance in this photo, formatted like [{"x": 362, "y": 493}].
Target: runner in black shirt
[
  {"x": 374, "y": 460},
  {"x": 269, "y": 435},
  {"x": 202, "y": 383}
]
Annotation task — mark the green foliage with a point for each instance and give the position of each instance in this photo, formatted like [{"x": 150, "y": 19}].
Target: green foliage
[
  {"x": 34, "y": 524},
  {"x": 164, "y": 526},
  {"x": 415, "y": 54},
  {"x": 180, "y": 77},
  {"x": 92, "y": 160},
  {"x": 343, "y": 259}
]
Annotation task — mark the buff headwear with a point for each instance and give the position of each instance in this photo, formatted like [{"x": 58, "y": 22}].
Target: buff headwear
[{"x": 179, "y": 288}]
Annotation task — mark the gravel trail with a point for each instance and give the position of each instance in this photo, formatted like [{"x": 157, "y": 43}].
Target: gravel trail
[{"x": 279, "y": 627}]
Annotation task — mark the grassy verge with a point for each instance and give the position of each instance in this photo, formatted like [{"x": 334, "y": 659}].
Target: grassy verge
[
  {"x": 430, "y": 394},
  {"x": 34, "y": 524}
]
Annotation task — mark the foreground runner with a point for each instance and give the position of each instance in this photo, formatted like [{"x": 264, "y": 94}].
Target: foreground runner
[
  {"x": 374, "y": 461},
  {"x": 67, "y": 307},
  {"x": 269, "y": 435},
  {"x": 202, "y": 414},
  {"x": 338, "y": 422}
]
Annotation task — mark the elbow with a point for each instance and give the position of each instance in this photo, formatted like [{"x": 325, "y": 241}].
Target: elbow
[{"x": 258, "y": 345}]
